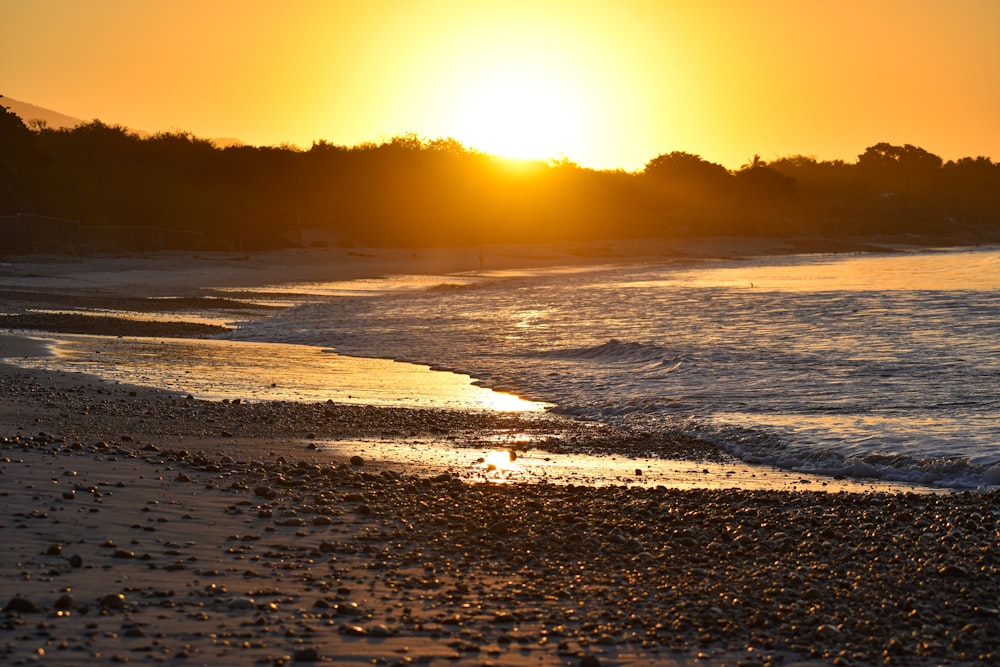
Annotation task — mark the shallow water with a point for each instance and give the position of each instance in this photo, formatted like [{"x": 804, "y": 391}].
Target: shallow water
[
  {"x": 488, "y": 461},
  {"x": 221, "y": 369},
  {"x": 229, "y": 370},
  {"x": 872, "y": 365}
]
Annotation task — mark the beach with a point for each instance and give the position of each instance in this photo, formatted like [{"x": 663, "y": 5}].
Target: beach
[{"x": 145, "y": 526}]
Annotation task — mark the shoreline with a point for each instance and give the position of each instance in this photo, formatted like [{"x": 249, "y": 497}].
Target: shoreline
[
  {"x": 197, "y": 296},
  {"x": 548, "y": 447},
  {"x": 143, "y": 530},
  {"x": 176, "y": 297},
  {"x": 178, "y": 273},
  {"x": 143, "y": 526}
]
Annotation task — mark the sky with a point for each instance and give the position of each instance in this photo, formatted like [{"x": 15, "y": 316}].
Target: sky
[{"x": 608, "y": 84}]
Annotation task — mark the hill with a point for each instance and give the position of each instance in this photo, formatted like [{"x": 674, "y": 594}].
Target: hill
[
  {"x": 30, "y": 112},
  {"x": 57, "y": 121}
]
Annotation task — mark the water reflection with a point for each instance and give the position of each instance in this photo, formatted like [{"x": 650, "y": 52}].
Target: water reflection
[
  {"x": 166, "y": 317},
  {"x": 221, "y": 369},
  {"x": 482, "y": 462},
  {"x": 500, "y": 460},
  {"x": 970, "y": 270}
]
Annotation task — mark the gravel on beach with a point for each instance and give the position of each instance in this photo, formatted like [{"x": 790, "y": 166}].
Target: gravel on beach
[{"x": 142, "y": 527}]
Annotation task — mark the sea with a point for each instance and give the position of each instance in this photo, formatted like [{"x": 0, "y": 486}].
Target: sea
[
  {"x": 875, "y": 366},
  {"x": 870, "y": 365}
]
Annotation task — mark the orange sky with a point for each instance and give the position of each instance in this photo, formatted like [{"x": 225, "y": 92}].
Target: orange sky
[{"x": 609, "y": 84}]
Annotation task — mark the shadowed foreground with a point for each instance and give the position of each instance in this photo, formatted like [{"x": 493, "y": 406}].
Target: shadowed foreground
[{"x": 141, "y": 527}]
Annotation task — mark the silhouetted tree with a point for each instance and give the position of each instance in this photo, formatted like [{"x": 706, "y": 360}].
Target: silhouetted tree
[
  {"x": 174, "y": 190},
  {"x": 687, "y": 170},
  {"x": 971, "y": 188},
  {"x": 767, "y": 195},
  {"x": 691, "y": 189},
  {"x": 902, "y": 179},
  {"x": 898, "y": 168},
  {"x": 20, "y": 162}
]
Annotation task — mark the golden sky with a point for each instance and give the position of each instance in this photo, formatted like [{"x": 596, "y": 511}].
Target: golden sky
[{"x": 608, "y": 84}]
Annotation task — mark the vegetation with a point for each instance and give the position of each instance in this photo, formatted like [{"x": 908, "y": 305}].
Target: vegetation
[{"x": 98, "y": 186}]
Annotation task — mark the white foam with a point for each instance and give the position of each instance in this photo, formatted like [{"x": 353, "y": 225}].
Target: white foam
[{"x": 865, "y": 365}]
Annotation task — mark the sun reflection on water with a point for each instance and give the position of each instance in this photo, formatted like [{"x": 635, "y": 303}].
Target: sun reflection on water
[
  {"x": 918, "y": 271},
  {"x": 221, "y": 369},
  {"x": 500, "y": 459},
  {"x": 493, "y": 464}
]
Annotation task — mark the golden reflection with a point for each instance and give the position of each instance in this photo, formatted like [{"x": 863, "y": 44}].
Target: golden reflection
[
  {"x": 504, "y": 402},
  {"x": 922, "y": 271},
  {"x": 531, "y": 318},
  {"x": 500, "y": 460},
  {"x": 580, "y": 469},
  {"x": 220, "y": 369},
  {"x": 136, "y": 316}
]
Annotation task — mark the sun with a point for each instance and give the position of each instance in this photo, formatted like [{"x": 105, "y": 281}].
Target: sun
[{"x": 519, "y": 113}]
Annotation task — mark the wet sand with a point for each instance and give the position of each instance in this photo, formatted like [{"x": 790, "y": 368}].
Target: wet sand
[{"x": 146, "y": 527}]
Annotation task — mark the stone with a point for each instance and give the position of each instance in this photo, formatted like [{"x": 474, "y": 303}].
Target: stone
[
  {"x": 306, "y": 655},
  {"x": 113, "y": 601},
  {"x": 953, "y": 571},
  {"x": 21, "y": 605},
  {"x": 65, "y": 601}
]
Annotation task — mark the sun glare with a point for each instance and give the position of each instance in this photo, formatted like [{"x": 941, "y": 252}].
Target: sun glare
[
  {"x": 519, "y": 114},
  {"x": 500, "y": 460}
]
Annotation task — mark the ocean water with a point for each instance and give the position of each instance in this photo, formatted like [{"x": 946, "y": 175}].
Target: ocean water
[{"x": 876, "y": 366}]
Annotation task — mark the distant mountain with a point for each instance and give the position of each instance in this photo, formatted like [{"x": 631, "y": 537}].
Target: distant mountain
[
  {"x": 30, "y": 112},
  {"x": 55, "y": 120}
]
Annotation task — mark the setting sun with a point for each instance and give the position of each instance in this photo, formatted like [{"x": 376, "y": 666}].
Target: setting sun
[
  {"x": 520, "y": 114},
  {"x": 607, "y": 85}
]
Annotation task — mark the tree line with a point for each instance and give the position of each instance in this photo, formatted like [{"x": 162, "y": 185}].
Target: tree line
[{"x": 99, "y": 186}]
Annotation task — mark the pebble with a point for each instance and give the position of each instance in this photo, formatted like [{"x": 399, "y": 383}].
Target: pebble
[
  {"x": 380, "y": 630},
  {"x": 113, "y": 601},
  {"x": 65, "y": 601},
  {"x": 306, "y": 655},
  {"x": 21, "y": 605},
  {"x": 242, "y": 603}
]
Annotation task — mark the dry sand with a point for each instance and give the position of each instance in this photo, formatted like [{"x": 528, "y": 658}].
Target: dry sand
[{"x": 145, "y": 527}]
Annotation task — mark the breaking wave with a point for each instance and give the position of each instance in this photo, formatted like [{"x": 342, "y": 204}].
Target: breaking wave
[
  {"x": 617, "y": 351},
  {"x": 872, "y": 366}
]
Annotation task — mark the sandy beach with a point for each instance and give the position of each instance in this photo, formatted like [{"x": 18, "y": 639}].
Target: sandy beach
[{"x": 145, "y": 526}]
